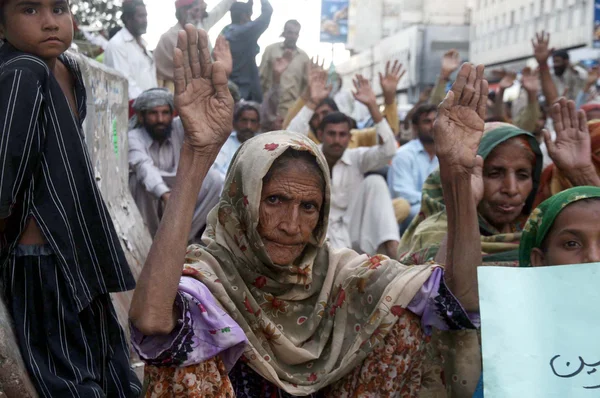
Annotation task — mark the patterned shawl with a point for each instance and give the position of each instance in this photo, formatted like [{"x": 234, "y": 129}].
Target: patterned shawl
[
  {"x": 553, "y": 181},
  {"x": 422, "y": 240},
  {"x": 541, "y": 219},
  {"x": 309, "y": 323}
]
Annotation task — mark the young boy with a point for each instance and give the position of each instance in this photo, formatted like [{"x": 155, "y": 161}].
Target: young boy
[{"x": 59, "y": 254}]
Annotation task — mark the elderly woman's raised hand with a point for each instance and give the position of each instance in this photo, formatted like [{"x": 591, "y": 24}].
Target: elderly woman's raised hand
[
  {"x": 202, "y": 96},
  {"x": 460, "y": 122}
]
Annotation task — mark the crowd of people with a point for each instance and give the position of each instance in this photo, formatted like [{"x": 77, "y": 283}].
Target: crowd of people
[{"x": 306, "y": 241}]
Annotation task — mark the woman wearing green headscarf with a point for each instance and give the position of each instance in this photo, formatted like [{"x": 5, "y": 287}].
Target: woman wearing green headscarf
[{"x": 509, "y": 186}]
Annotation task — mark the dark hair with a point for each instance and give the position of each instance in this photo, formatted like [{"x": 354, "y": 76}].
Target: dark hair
[
  {"x": 292, "y": 22},
  {"x": 561, "y": 54},
  {"x": 129, "y": 8},
  {"x": 238, "y": 10},
  {"x": 179, "y": 12},
  {"x": 330, "y": 102},
  {"x": 423, "y": 110},
  {"x": 243, "y": 107},
  {"x": 335, "y": 118}
]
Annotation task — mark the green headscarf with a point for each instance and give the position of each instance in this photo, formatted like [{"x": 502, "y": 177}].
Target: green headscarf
[
  {"x": 542, "y": 218},
  {"x": 421, "y": 241}
]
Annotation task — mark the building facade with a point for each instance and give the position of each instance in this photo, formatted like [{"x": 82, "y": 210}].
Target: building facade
[{"x": 501, "y": 30}]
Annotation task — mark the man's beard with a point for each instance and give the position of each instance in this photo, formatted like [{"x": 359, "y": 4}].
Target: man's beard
[
  {"x": 159, "y": 135},
  {"x": 426, "y": 138},
  {"x": 244, "y": 135},
  {"x": 559, "y": 71}
]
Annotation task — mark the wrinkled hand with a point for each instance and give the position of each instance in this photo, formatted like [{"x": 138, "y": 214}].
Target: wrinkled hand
[
  {"x": 222, "y": 53},
  {"x": 460, "y": 122},
  {"x": 531, "y": 81},
  {"x": 450, "y": 63},
  {"x": 572, "y": 150},
  {"x": 389, "y": 81},
  {"x": 202, "y": 96},
  {"x": 281, "y": 64},
  {"x": 508, "y": 80},
  {"x": 364, "y": 93},
  {"x": 541, "y": 47}
]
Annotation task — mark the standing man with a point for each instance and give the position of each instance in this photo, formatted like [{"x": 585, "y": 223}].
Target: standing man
[
  {"x": 127, "y": 52},
  {"x": 243, "y": 35},
  {"x": 155, "y": 142},
  {"x": 186, "y": 11},
  {"x": 293, "y": 80},
  {"x": 414, "y": 162}
]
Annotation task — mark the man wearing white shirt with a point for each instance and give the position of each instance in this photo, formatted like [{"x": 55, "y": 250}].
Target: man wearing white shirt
[
  {"x": 362, "y": 215},
  {"x": 127, "y": 53}
]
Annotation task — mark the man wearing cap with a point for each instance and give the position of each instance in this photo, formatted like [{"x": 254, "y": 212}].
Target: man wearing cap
[
  {"x": 186, "y": 11},
  {"x": 155, "y": 141},
  {"x": 127, "y": 52},
  {"x": 243, "y": 34},
  {"x": 293, "y": 80}
]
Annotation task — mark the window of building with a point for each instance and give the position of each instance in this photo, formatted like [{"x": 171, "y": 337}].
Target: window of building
[
  {"x": 557, "y": 27},
  {"x": 531, "y": 14},
  {"x": 570, "y": 15},
  {"x": 512, "y": 18},
  {"x": 541, "y": 7}
]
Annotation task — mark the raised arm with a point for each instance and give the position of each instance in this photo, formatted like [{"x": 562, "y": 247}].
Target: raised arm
[
  {"x": 458, "y": 130},
  {"x": 450, "y": 63},
  {"x": 542, "y": 51},
  {"x": 216, "y": 14},
  {"x": 571, "y": 152},
  {"x": 205, "y": 106},
  {"x": 527, "y": 117}
]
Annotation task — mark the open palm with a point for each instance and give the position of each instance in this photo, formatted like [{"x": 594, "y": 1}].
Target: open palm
[
  {"x": 364, "y": 92},
  {"x": 202, "y": 96},
  {"x": 460, "y": 122},
  {"x": 571, "y": 151}
]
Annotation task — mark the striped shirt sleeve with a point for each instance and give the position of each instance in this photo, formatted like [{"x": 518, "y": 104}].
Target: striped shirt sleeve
[{"x": 20, "y": 142}]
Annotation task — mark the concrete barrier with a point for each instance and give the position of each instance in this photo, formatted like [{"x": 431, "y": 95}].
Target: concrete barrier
[{"x": 105, "y": 130}]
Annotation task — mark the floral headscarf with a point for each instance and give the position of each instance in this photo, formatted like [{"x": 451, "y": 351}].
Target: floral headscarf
[
  {"x": 541, "y": 219},
  {"x": 310, "y": 323}
]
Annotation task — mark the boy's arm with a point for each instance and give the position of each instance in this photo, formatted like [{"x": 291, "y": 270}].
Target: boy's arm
[{"x": 20, "y": 142}]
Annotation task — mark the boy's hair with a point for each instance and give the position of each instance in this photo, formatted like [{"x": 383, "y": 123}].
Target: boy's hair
[
  {"x": 335, "y": 118},
  {"x": 238, "y": 10}
]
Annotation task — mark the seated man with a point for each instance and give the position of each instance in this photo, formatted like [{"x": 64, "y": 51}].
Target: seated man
[
  {"x": 155, "y": 140},
  {"x": 362, "y": 215},
  {"x": 246, "y": 123},
  {"x": 414, "y": 162}
]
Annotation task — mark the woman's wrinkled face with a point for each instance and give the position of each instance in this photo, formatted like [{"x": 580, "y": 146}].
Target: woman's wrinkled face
[
  {"x": 290, "y": 209},
  {"x": 574, "y": 237},
  {"x": 507, "y": 182}
]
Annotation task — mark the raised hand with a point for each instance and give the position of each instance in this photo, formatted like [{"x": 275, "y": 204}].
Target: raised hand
[
  {"x": 222, "y": 53},
  {"x": 389, "y": 81},
  {"x": 571, "y": 151},
  {"x": 531, "y": 81},
  {"x": 541, "y": 47},
  {"x": 508, "y": 80},
  {"x": 364, "y": 93},
  {"x": 318, "y": 89},
  {"x": 202, "y": 97},
  {"x": 450, "y": 63},
  {"x": 460, "y": 122},
  {"x": 281, "y": 64}
]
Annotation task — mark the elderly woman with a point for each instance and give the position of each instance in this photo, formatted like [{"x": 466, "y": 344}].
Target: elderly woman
[
  {"x": 267, "y": 308},
  {"x": 511, "y": 172}
]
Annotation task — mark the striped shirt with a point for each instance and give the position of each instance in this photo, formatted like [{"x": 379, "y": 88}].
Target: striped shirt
[{"x": 46, "y": 173}]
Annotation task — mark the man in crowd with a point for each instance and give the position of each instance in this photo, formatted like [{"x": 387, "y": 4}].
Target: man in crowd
[
  {"x": 127, "y": 53},
  {"x": 567, "y": 78},
  {"x": 293, "y": 80},
  {"x": 155, "y": 141},
  {"x": 243, "y": 34},
  {"x": 246, "y": 124},
  {"x": 414, "y": 162},
  {"x": 271, "y": 120},
  {"x": 362, "y": 215},
  {"x": 186, "y": 11}
]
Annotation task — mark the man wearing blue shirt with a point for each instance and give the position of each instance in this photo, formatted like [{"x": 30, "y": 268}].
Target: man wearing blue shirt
[
  {"x": 243, "y": 34},
  {"x": 414, "y": 162}
]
